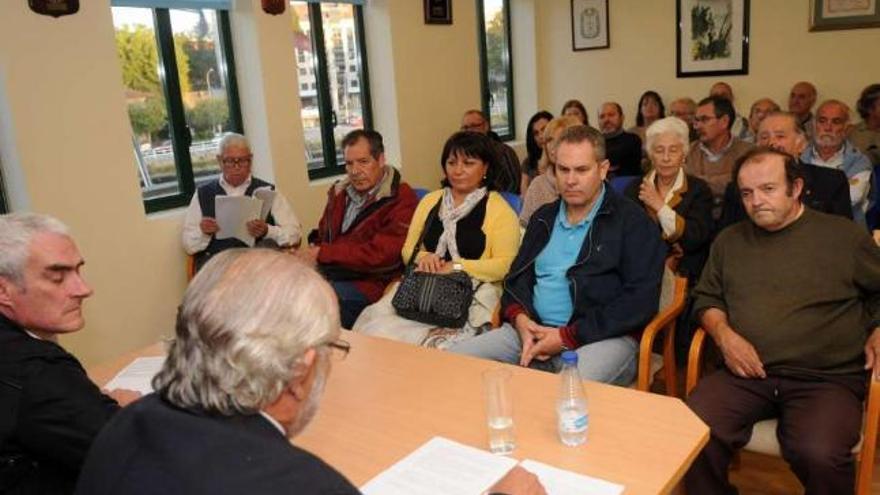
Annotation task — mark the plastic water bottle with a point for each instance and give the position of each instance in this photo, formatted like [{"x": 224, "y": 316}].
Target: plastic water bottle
[{"x": 571, "y": 408}]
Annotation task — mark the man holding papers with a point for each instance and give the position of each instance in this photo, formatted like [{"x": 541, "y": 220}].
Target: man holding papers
[
  {"x": 220, "y": 216},
  {"x": 235, "y": 388},
  {"x": 49, "y": 409}
]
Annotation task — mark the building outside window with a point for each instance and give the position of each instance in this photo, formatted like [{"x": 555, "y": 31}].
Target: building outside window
[
  {"x": 180, "y": 92},
  {"x": 329, "y": 46},
  {"x": 496, "y": 70}
]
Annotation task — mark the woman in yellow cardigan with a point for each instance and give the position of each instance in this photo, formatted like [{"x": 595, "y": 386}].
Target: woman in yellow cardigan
[{"x": 471, "y": 229}]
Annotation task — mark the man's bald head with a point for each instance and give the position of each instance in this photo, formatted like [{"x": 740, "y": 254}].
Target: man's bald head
[{"x": 723, "y": 90}]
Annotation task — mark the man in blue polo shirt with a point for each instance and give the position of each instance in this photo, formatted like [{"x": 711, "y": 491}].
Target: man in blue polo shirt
[{"x": 586, "y": 278}]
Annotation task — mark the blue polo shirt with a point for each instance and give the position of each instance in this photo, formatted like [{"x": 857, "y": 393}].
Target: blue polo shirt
[{"x": 552, "y": 296}]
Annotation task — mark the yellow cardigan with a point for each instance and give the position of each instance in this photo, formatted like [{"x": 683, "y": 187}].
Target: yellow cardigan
[{"x": 500, "y": 226}]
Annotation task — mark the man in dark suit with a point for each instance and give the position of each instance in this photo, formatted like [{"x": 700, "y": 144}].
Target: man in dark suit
[
  {"x": 623, "y": 149},
  {"x": 236, "y": 386},
  {"x": 49, "y": 409},
  {"x": 825, "y": 189}
]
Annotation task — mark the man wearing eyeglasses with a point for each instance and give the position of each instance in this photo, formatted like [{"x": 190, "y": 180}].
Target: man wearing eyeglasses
[
  {"x": 713, "y": 158},
  {"x": 236, "y": 390},
  {"x": 200, "y": 227},
  {"x": 509, "y": 176}
]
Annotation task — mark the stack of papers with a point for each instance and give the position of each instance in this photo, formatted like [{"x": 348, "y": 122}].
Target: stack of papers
[
  {"x": 444, "y": 467},
  {"x": 138, "y": 375},
  {"x": 234, "y": 212}
]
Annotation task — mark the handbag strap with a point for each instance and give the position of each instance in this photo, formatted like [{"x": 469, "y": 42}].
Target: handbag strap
[{"x": 432, "y": 215}]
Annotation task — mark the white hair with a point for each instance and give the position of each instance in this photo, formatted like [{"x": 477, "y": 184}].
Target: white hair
[
  {"x": 16, "y": 232},
  {"x": 668, "y": 125},
  {"x": 246, "y": 321},
  {"x": 232, "y": 140}
]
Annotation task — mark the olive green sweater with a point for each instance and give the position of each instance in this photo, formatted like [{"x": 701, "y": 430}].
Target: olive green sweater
[{"x": 806, "y": 296}]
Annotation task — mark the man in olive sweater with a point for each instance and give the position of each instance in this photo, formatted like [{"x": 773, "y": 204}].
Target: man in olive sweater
[{"x": 792, "y": 300}]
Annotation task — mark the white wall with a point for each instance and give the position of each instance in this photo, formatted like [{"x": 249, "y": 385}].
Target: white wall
[
  {"x": 65, "y": 142},
  {"x": 642, "y": 56},
  {"x": 65, "y": 145}
]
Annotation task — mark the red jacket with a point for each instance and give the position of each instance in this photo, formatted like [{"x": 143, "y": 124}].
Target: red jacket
[{"x": 368, "y": 254}]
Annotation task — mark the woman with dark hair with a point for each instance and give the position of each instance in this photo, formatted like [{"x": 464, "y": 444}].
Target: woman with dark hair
[
  {"x": 534, "y": 146},
  {"x": 468, "y": 227},
  {"x": 575, "y": 108},
  {"x": 650, "y": 109}
]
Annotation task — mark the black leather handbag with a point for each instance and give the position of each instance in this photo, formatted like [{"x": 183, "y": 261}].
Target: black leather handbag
[{"x": 443, "y": 300}]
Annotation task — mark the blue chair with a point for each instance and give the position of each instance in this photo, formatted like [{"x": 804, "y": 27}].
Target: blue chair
[
  {"x": 513, "y": 200},
  {"x": 619, "y": 184},
  {"x": 420, "y": 192}
]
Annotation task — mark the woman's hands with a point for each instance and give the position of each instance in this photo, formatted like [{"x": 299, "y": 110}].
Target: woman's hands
[{"x": 431, "y": 263}]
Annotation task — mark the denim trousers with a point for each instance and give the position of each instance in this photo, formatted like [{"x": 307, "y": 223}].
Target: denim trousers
[{"x": 613, "y": 361}]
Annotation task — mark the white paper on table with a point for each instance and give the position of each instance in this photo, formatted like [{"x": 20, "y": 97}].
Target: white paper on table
[
  {"x": 137, "y": 375},
  {"x": 561, "y": 482},
  {"x": 267, "y": 196},
  {"x": 441, "y": 467},
  {"x": 233, "y": 213}
]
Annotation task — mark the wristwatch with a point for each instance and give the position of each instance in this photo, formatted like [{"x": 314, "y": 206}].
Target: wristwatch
[{"x": 457, "y": 267}]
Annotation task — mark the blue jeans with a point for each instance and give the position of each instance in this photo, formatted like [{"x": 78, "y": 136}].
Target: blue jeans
[
  {"x": 351, "y": 302},
  {"x": 613, "y": 361}
]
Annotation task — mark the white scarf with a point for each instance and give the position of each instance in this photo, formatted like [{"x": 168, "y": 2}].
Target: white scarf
[{"x": 450, "y": 215}]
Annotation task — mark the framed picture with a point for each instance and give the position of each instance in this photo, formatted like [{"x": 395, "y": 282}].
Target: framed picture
[
  {"x": 589, "y": 25},
  {"x": 826, "y": 15},
  {"x": 438, "y": 11},
  {"x": 712, "y": 37}
]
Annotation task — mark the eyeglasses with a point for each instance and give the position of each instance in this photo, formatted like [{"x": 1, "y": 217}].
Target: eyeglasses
[
  {"x": 340, "y": 348},
  {"x": 242, "y": 162}
]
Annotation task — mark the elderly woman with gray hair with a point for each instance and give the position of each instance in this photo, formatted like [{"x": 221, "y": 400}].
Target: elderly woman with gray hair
[{"x": 679, "y": 203}]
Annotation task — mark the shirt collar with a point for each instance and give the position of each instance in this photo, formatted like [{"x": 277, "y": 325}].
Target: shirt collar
[
  {"x": 229, "y": 187},
  {"x": 834, "y": 161},
  {"x": 274, "y": 422},
  {"x": 714, "y": 157},
  {"x": 562, "y": 216},
  {"x": 679, "y": 181}
]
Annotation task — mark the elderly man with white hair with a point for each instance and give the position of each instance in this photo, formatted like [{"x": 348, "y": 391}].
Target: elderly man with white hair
[
  {"x": 200, "y": 226},
  {"x": 680, "y": 204},
  {"x": 49, "y": 409},
  {"x": 830, "y": 148},
  {"x": 243, "y": 377}
]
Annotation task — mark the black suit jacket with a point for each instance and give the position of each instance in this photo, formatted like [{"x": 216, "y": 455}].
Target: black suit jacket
[
  {"x": 624, "y": 151},
  {"x": 154, "y": 447},
  {"x": 49, "y": 414},
  {"x": 825, "y": 189}
]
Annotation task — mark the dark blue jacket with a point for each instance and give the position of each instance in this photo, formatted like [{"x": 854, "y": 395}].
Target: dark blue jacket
[{"x": 615, "y": 282}]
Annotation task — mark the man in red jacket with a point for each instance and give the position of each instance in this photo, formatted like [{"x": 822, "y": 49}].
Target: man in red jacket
[{"x": 358, "y": 240}]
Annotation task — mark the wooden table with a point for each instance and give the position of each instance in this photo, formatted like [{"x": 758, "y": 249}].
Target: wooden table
[{"x": 387, "y": 398}]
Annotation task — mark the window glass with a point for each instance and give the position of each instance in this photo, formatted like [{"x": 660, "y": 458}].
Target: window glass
[
  {"x": 333, "y": 84},
  {"x": 179, "y": 96},
  {"x": 497, "y": 74}
]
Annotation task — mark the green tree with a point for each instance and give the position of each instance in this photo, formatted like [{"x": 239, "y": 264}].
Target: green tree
[
  {"x": 136, "y": 48},
  {"x": 496, "y": 45},
  {"x": 147, "y": 117},
  {"x": 138, "y": 53},
  {"x": 180, "y": 40},
  {"x": 206, "y": 116},
  {"x": 201, "y": 60}
]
